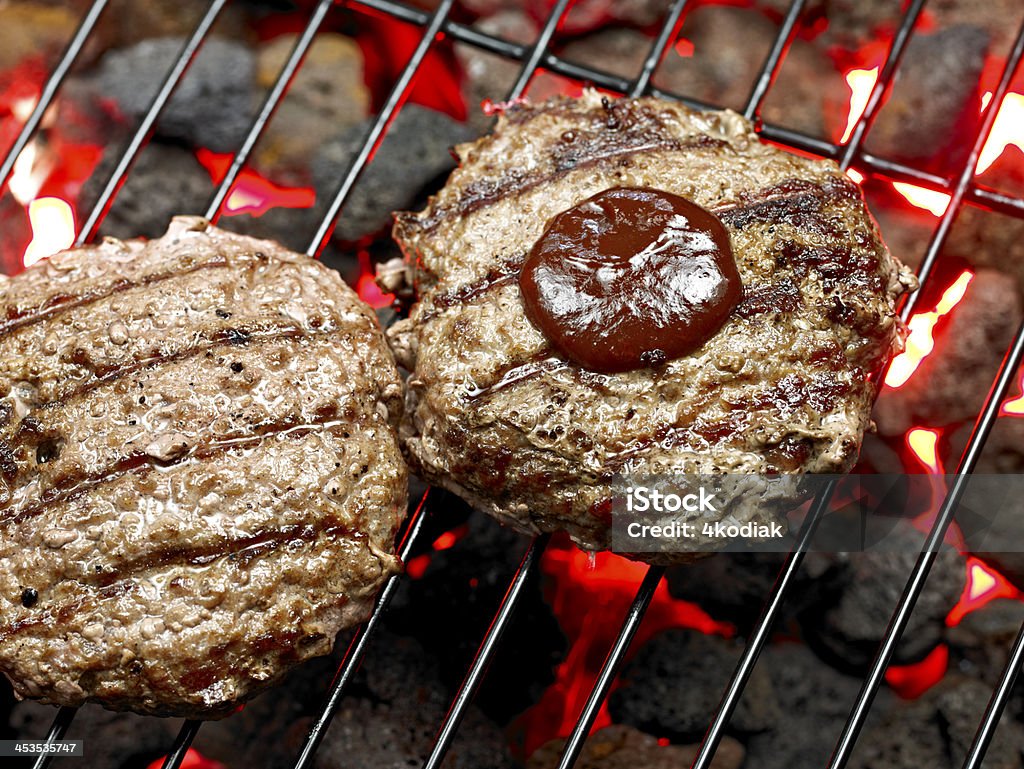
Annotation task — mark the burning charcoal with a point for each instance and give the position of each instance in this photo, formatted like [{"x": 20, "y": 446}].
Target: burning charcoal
[
  {"x": 165, "y": 181},
  {"x": 489, "y": 76},
  {"x": 853, "y": 601},
  {"x": 212, "y": 106},
  {"x": 415, "y": 152},
  {"x": 112, "y": 740},
  {"x": 999, "y": 18},
  {"x": 328, "y": 94},
  {"x": 849, "y": 23},
  {"x": 619, "y": 50},
  {"x": 450, "y": 607},
  {"x": 728, "y": 48},
  {"x": 673, "y": 685},
  {"x": 988, "y": 239},
  {"x": 1003, "y": 453},
  {"x": 623, "y": 747},
  {"x": 734, "y": 586},
  {"x": 394, "y": 710},
  {"x": 999, "y": 539},
  {"x": 815, "y": 699},
  {"x": 950, "y": 385},
  {"x": 980, "y": 643},
  {"x": 937, "y": 730},
  {"x": 933, "y": 109}
]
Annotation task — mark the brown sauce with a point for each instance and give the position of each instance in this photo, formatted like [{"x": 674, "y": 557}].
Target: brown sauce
[{"x": 629, "y": 278}]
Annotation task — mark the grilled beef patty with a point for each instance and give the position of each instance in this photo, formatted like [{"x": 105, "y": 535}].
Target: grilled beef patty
[
  {"x": 495, "y": 414},
  {"x": 200, "y": 481}
]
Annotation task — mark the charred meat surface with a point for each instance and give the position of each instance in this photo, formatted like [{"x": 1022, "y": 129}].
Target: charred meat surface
[
  {"x": 200, "y": 480},
  {"x": 495, "y": 414}
]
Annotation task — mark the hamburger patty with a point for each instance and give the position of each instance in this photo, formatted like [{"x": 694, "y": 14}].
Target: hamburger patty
[
  {"x": 495, "y": 414},
  {"x": 200, "y": 481}
]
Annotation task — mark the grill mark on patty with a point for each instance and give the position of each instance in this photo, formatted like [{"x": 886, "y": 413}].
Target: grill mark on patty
[
  {"x": 486, "y": 192},
  {"x": 539, "y": 363},
  {"x": 74, "y": 485},
  {"x": 58, "y": 303},
  {"x": 793, "y": 201},
  {"x": 500, "y": 276},
  {"x": 221, "y": 338},
  {"x": 240, "y": 551}
]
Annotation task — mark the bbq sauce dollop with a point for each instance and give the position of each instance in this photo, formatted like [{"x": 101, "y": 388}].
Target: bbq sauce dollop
[{"x": 630, "y": 278}]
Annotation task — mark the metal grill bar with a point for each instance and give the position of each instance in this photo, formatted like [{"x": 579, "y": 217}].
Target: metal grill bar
[
  {"x": 773, "y": 62},
  {"x": 58, "y": 729},
  {"x": 182, "y": 742},
  {"x": 488, "y": 646},
  {"x": 141, "y": 135},
  {"x": 885, "y": 78},
  {"x": 375, "y": 134},
  {"x": 668, "y": 32},
  {"x": 360, "y": 642},
  {"x": 269, "y": 107},
  {"x": 540, "y": 47},
  {"x": 53, "y": 84},
  {"x": 762, "y": 630},
  {"x": 996, "y": 705},
  {"x": 611, "y": 666},
  {"x": 1004, "y": 380}
]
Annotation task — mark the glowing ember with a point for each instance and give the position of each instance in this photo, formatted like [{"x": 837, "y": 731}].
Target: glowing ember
[
  {"x": 53, "y": 228},
  {"x": 684, "y": 47},
  {"x": 921, "y": 341},
  {"x": 251, "y": 193},
  {"x": 984, "y": 585},
  {"x": 1008, "y": 129},
  {"x": 911, "y": 681},
  {"x": 193, "y": 760},
  {"x": 589, "y": 594},
  {"x": 1014, "y": 405},
  {"x": 930, "y": 200},
  {"x": 861, "y": 81},
  {"x": 924, "y": 443}
]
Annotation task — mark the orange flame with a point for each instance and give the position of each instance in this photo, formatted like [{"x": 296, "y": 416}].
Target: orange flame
[
  {"x": 921, "y": 341},
  {"x": 984, "y": 585},
  {"x": 1007, "y": 129},
  {"x": 923, "y": 442},
  {"x": 53, "y": 228},
  {"x": 251, "y": 193},
  {"x": 930, "y": 200},
  {"x": 1014, "y": 405},
  {"x": 861, "y": 81}
]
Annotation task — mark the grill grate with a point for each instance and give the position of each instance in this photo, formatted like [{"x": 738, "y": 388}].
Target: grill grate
[{"x": 962, "y": 189}]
